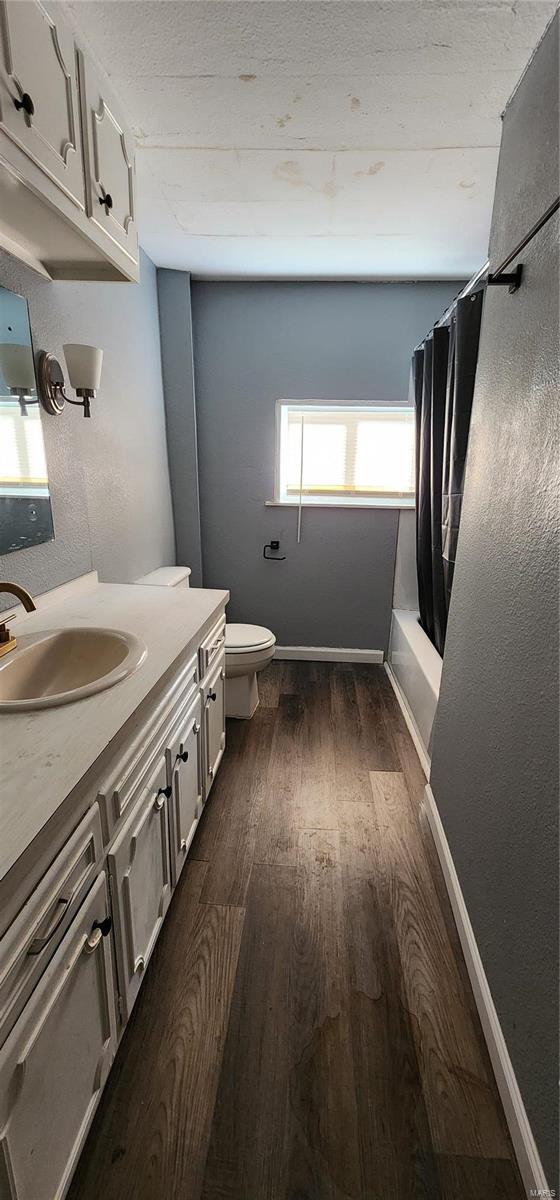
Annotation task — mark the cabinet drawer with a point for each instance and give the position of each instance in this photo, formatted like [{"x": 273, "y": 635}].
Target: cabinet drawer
[
  {"x": 118, "y": 791},
  {"x": 140, "y": 883},
  {"x": 30, "y": 942},
  {"x": 184, "y": 776},
  {"x": 214, "y": 717},
  {"x": 38, "y": 64},
  {"x": 56, "y": 1060},
  {"x": 212, "y": 646}
]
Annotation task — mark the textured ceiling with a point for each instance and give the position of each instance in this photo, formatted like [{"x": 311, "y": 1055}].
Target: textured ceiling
[{"x": 314, "y": 139}]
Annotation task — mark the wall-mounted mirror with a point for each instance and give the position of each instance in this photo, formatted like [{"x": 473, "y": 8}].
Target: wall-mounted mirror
[{"x": 25, "y": 503}]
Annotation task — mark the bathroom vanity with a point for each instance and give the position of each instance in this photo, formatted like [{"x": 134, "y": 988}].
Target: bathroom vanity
[{"x": 99, "y": 802}]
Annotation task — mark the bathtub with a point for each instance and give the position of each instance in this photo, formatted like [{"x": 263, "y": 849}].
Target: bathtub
[{"x": 414, "y": 668}]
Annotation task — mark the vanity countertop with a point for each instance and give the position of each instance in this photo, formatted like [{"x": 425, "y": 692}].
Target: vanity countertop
[{"x": 45, "y": 754}]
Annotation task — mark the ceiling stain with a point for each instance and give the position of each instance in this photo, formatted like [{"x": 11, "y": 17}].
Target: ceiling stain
[
  {"x": 290, "y": 172},
  {"x": 330, "y": 189},
  {"x": 355, "y": 104},
  {"x": 462, "y": 184},
  {"x": 372, "y": 169},
  {"x": 247, "y": 78},
  {"x": 281, "y": 121}
]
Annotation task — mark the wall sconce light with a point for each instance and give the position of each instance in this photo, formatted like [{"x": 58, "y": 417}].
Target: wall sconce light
[
  {"x": 84, "y": 370},
  {"x": 18, "y": 371}
]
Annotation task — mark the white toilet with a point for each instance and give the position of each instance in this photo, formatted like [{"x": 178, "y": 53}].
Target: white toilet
[{"x": 249, "y": 649}]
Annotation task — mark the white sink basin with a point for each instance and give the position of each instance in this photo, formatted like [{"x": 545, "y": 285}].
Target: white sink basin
[{"x": 63, "y": 665}]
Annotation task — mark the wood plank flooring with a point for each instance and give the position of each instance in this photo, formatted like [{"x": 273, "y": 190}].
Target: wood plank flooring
[{"x": 306, "y": 1029}]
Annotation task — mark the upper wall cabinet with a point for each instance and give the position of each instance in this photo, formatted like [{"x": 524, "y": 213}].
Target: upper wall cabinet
[
  {"x": 109, "y": 162},
  {"x": 39, "y": 107},
  {"x": 66, "y": 155}
]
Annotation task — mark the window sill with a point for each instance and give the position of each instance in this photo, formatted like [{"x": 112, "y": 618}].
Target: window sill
[{"x": 306, "y": 503}]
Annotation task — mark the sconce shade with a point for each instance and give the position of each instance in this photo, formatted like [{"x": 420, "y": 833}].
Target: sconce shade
[
  {"x": 84, "y": 366},
  {"x": 16, "y": 364}
]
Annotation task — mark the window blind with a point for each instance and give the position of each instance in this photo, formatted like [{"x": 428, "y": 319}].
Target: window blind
[{"x": 347, "y": 451}]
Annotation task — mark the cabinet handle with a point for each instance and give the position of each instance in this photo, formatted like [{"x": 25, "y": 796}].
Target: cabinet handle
[
  {"x": 107, "y": 200},
  {"x": 93, "y": 941},
  {"x": 163, "y": 795},
  {"x": 105, "y": 926},
  {"x": 184, "y": 845},
  {"x": 39, "y": 943},
  {"x": 26, "y": 104},
  {"x": 211, "y": 772},
  {"x": 140, "y": 963},
  {"x": 212, "y": 696},
  {"x": 100, "y": 929},
  {"x": 196, "y": 728},
  {"x": 182, "y": 757}
]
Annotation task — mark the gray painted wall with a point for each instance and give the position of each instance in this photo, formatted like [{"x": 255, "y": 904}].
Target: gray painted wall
[
  {"x": 495, "y": 748},
  {"x": 174, "y": 293},
  {"x": 254, "y": 343},
  {"x": 108, "y": 477},
  {"x": 495, "y": 769}
]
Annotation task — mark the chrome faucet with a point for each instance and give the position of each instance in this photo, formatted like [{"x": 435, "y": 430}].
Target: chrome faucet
[{"x": 7, "y": 639}]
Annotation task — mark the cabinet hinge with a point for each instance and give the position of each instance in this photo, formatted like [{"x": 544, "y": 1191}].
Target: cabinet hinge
[{"x": 120, "y": 1007}]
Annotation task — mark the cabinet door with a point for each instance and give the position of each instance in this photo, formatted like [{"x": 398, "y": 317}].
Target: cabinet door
[
  {"x": 184, "y": 774},
  {"x": 213, "y": 698},
  {"x": 109, "y": 162},
  {"x": 140, "y": 883},
  {"x": 56, "y": 1059},
  {"x": 38, "y": 71}
]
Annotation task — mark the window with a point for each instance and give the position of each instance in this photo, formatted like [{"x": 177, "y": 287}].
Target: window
[
  {"x": 343, "y": 453},
  {"x": 22, "y": 454}
]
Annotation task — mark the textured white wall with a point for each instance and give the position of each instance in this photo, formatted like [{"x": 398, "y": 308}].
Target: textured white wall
[{"x": 108, "y": 476}]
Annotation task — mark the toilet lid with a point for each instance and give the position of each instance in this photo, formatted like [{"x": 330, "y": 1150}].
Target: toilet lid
[{"x": 248, "y": 637}]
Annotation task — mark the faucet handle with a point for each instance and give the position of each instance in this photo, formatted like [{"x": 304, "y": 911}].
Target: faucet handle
[{"x": 7, "y": 638}]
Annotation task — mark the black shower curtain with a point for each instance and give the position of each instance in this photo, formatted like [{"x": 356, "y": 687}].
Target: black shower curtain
[{"x": 442, "y": 385}]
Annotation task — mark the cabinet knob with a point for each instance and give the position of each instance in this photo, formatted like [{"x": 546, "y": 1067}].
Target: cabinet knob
[
  {"x": 196, "y": 728},
  {"x": 105, "y": 926},
  {"x": 182, "y": 757},
  {"x": 184, "y": 845},
  {"x": 93, "y": 941},
  {"x": 26, "y": 104},
  {"x": 107, "y": 200},
  {"x": 212, "y": 696},
  {"x": 163, "y": 795}
]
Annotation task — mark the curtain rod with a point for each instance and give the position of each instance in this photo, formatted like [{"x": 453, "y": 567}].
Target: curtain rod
[{"x": 469, "y": 287}]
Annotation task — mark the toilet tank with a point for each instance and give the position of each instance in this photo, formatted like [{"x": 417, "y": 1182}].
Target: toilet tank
[{"x": 167, "y": 577}]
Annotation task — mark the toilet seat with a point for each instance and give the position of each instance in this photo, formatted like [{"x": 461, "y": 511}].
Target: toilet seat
[{"x": 244, "y": 639}]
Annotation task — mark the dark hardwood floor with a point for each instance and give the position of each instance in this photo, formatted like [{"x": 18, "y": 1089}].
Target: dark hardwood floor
[{"x": 306, "y": 1029}]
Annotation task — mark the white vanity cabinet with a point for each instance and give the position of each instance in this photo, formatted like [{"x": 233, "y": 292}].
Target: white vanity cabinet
[
  {"x": 55, "y": 1062},
  {"x": 140, "y": 883},
  {"x": 67, "y": 203},
  {"x": 214, "y": 701},
  {"x": 73, "y": 958},
  {"x": 39, "y": 107},
  {"x": 184, "y": 775}
]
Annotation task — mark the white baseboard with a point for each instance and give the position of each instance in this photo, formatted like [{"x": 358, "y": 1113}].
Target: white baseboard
[
  {"x": 328, "y": 654},
  {"x": 524, "y": 1145},
  {"x": 421, "y": 751}
]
